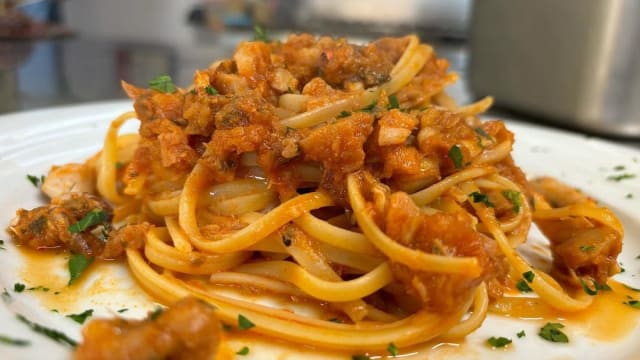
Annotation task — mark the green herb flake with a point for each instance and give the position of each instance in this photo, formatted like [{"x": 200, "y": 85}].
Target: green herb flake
[
  {"x": 360, "y": 357},
  {"x": 619, "y": 167},
  {"x": 587, "y": 248},
  {"x": 260, "y": 34},
  {"x": 18, "y": 287},
  {"x": 521, "y": 334},
  {"x": 551, "y": 332},
  {"x": 163, "y": 83},
  {"x": 515, "y": 199},
  {"x": 370, "y": 107},
  {"x": 479, "y": 197},
  {"x": 54, "y": 335},
  {"x": 455, "y": 154},
  {"x": 244, "y": 323},
  {"x": 37, "y": 181},
  {"x": 343, "y": 114},
  {"x": 227, "y": 327},
  {"x": 37, "y": 225},
  {"x": 523, "y": 286},
  {"x": 480, "y": 131},
  {"x": 78, "y": 263},
  {"x": 211, "y": 90},
  {"x": 123, "y": 310},
  {"x": 587, "y": 289},
  {"x": 392, "y": 349},
  {"x": 38, "y": 288},
  {"x": 243, "y": 352},
  {"x": 629, "y": 196},
  {"x": 335, "y": 320},
  {"x": 498, "y": 342},
  {"x": 393, "y": 102},
  {"x": 119, "y": 165},
  {"x": 529, "y": 275},
  {"x": 596, "y": 288},
  {"x": 2, "y": 245},
  {"x": 621, "y": 177},
  {"x": 92, "y": 218},
  {"x": 15, "y": 342},
  {"x": 156, "y": 313},
  {"x": 81, "y": 317},
  {"x": 633, "y": 303}
]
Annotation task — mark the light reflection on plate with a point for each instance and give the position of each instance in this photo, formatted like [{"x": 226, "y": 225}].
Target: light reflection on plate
[{"x": 31, "y": 142}]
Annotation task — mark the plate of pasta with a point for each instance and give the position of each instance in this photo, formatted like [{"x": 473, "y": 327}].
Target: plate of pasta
[{"x": 312, "y": 198}]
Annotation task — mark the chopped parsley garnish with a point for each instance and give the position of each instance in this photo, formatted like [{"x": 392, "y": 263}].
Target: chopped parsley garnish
[
  {"x": 370, "y": 107},
  {"x": 551, "y": 332},
  {"x": 480, "y": 131},
  {"x": 163, "y": 83},
  {"x": 36, "y": 288},
  {"x": 18, "y": 287},
  {"x": 596, "y": 288},
  {"x": 633, "y": 303},
  {"x": 514, "y": 197},
  {"x": 498, "y": 342},
  {"x": 260, "y": 34},
  {"x": 629, "y": 196},
  {"x": 523, "y": 286},
  {"x": 343, "y": 114},
  {"x": 211, "y": 90},
  {"x": 455, "y": 154},
  {"x": 392, "y": 349},
  {"x": 119, "y": 165},
  {"x": 587, "y": 248},
  {"x": 631, "y": 288},
  {"x": 123, "y": 310},
  {"x": 37, "y": 225},
  {"x": 621, "y": 177},
  {"x": 244, "y": 323},
  {"x": 54, "y": 335},
  {"x": 93, "y": 217},
  {"x": 244, "y": 351},
  {"x": 521, "y": 334},
  {"x": 37, "y": 181},
  {"x": 529, "y": 275},
  {"x": 479, "y": 197},
  {"x": 393, "y": 102},
  {"x": 335, "y": 320},
  {"x": 360, "y": 357},
  {"x": 11, "y": 341},
  {"x": 78, "y": 263},
  {"x": 81, "y": 317},
  {"x": 2, "y": 245},
  {"x": 227, "y": 327},
  {"x": 618, "y": 167},
  {"x": 156, "y": 313}
]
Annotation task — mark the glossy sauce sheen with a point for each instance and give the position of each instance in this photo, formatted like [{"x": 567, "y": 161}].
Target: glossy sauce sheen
[
  {"x": 607, "y": 319},
  {"x": 101, "y": 284}
]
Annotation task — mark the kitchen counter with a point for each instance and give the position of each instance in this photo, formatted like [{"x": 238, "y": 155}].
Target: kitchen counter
[{"x": 76, "y": 69}]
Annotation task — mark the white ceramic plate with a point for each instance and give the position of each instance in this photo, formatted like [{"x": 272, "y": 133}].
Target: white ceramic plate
[{"x": 30, "y": 142}]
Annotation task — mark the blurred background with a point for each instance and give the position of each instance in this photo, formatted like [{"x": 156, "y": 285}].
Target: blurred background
[{"x": 571, "y": 64}]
